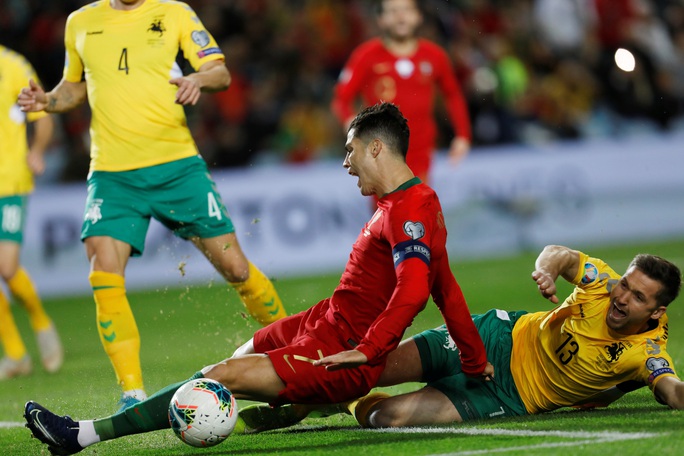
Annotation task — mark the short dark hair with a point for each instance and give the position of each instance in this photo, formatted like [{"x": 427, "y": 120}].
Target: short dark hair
[
  {"x": 383, "y": 121},
  {"x": 663, "y": 271}
]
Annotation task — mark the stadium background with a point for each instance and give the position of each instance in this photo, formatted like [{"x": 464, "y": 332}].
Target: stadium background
[
  {"x": 567, "y": 147},
  {"x": 532, "y": 71}
]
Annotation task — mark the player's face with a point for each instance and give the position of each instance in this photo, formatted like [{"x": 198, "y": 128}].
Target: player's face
[
  {"x": 357, "y": 163},
  {"x": 399, "y": 18},
  {"x": 633, "y": 303}
]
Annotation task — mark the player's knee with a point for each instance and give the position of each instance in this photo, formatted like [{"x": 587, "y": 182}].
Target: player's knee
[
  {"x": 8, "y": 270},
  {"x": 235, "y": 269},
  {"x": 223, "y": 373},
  {"x": 384, "y": 417}
]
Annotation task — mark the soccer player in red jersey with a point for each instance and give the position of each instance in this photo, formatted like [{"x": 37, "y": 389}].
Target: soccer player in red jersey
[
  {"x": 336, "y": 350},
  {"x": 401, "y": 68}
]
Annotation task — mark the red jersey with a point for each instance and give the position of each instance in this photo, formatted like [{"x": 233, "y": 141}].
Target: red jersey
[
  {"x": 409, "y": 82},
  {"x": 398, "y": 260}
]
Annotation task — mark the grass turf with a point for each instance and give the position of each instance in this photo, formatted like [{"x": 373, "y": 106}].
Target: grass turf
[{"x": 188, "y": 327}]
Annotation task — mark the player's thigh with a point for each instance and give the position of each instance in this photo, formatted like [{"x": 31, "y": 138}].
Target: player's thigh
[
  {"x": 9, "y": 259},
  {"x": 403, "y": 365},
  {"x": 425, "y": 406},
  {"x": 188, "y": 202},
  {"x": 117, "y": 207}
]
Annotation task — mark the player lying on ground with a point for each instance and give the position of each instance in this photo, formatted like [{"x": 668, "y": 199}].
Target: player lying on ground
[
  {"x": 608, "y": 337},
  {"x": 337, "y": 350}
]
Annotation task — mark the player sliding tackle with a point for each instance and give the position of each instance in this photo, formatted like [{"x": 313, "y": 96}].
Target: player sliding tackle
[
  {"x": 607, "y": 338},
  {"x": 337, "y": 350}
]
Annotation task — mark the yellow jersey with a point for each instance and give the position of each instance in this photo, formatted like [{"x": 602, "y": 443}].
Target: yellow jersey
[
  {"x": 15, "y": 175},
  {"x": 127, "y": 59},
  {"x": 565, "y": 355}
]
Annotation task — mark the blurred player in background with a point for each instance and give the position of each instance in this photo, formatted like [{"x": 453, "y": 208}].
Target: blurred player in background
[
  {"x": 18, "y": 164},
  {"x": 401, "y": 68},
  {"x": 338, "y": 348},
  {"x": 609, "y": 337},
  {"x": 123, "y": 54}
]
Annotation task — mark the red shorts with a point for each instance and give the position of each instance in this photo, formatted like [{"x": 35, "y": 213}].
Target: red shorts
[{"x": 295, "y": 342}]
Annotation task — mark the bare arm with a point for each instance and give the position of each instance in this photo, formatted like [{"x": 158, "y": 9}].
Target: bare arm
[
  {"x": 670, "y": 390},
  {"x": 42, "y": 133},
  {"x": 212, "y": 77},
  {"x": 554, "y": 261},
  {"x": 458, "y": 149},
  {"x": 64, "y": 97}
]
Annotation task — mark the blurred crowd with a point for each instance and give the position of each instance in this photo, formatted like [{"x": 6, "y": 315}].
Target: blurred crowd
[{"x": 531, "y": 70}]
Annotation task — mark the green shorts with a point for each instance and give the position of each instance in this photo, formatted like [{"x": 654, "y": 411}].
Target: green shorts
[
  {"x": 12, "y": 218},
  {"x": 473, "y": 398},
  {"x": 180, "y": 194}
]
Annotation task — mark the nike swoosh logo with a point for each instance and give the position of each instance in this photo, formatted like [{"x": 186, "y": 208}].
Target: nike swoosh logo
[
  {"x": 36, "y": 423},
  {"x": 287, "y": 360}
]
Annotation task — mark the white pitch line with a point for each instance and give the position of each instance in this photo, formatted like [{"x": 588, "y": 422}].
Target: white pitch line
[
  {"x": 580, "y": 437},
  {"x": 10, "y": 424}
]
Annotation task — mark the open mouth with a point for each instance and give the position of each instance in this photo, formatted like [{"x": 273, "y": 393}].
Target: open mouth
[{"x": 616, "y": 313}]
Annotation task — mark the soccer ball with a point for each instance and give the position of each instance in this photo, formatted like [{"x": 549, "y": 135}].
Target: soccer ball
[{"x": 203, "y": 412}]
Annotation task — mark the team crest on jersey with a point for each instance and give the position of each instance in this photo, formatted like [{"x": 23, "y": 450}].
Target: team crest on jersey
[
  {"x": 414, "y": 230},
  {"x": 590, "y": 273},
  {"x": 614, "y": 351},
  {"x": 404, "y": 68},
  {"x": 200, "y": 38},
  {"x": 93, "y": 213},
  {"x": 157, "y": 26}
]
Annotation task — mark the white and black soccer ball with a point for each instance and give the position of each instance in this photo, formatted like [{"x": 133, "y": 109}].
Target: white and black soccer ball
[{"x": 203, "y": 412}]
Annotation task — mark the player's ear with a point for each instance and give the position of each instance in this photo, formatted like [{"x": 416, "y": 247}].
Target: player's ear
[
  {"x": 376, "y": 146},
  {"x": 658, "y": 312}
]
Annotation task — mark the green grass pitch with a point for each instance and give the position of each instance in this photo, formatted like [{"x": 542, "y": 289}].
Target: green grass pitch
[{"x": 187, "y": 327}]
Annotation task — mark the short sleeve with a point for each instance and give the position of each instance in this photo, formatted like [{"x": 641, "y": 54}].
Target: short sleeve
[
  {"x": 73, "y": 65},
  {"x": 198, "y": 46}
]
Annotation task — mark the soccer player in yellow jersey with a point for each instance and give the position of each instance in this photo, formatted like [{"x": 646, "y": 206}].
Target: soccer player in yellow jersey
[
  {"x": 607, "y": 338},
  {"x": 18, "y": 164},
  {"x": 122, "y": 56}
]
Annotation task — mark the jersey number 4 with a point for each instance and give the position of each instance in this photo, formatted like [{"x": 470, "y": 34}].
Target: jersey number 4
[{"x": 123, "y": 60}]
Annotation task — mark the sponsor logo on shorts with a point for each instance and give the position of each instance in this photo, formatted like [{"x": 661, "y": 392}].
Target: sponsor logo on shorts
[
  {"x": 93, "y": 214},
  {"x": 287, "y": 360}
]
